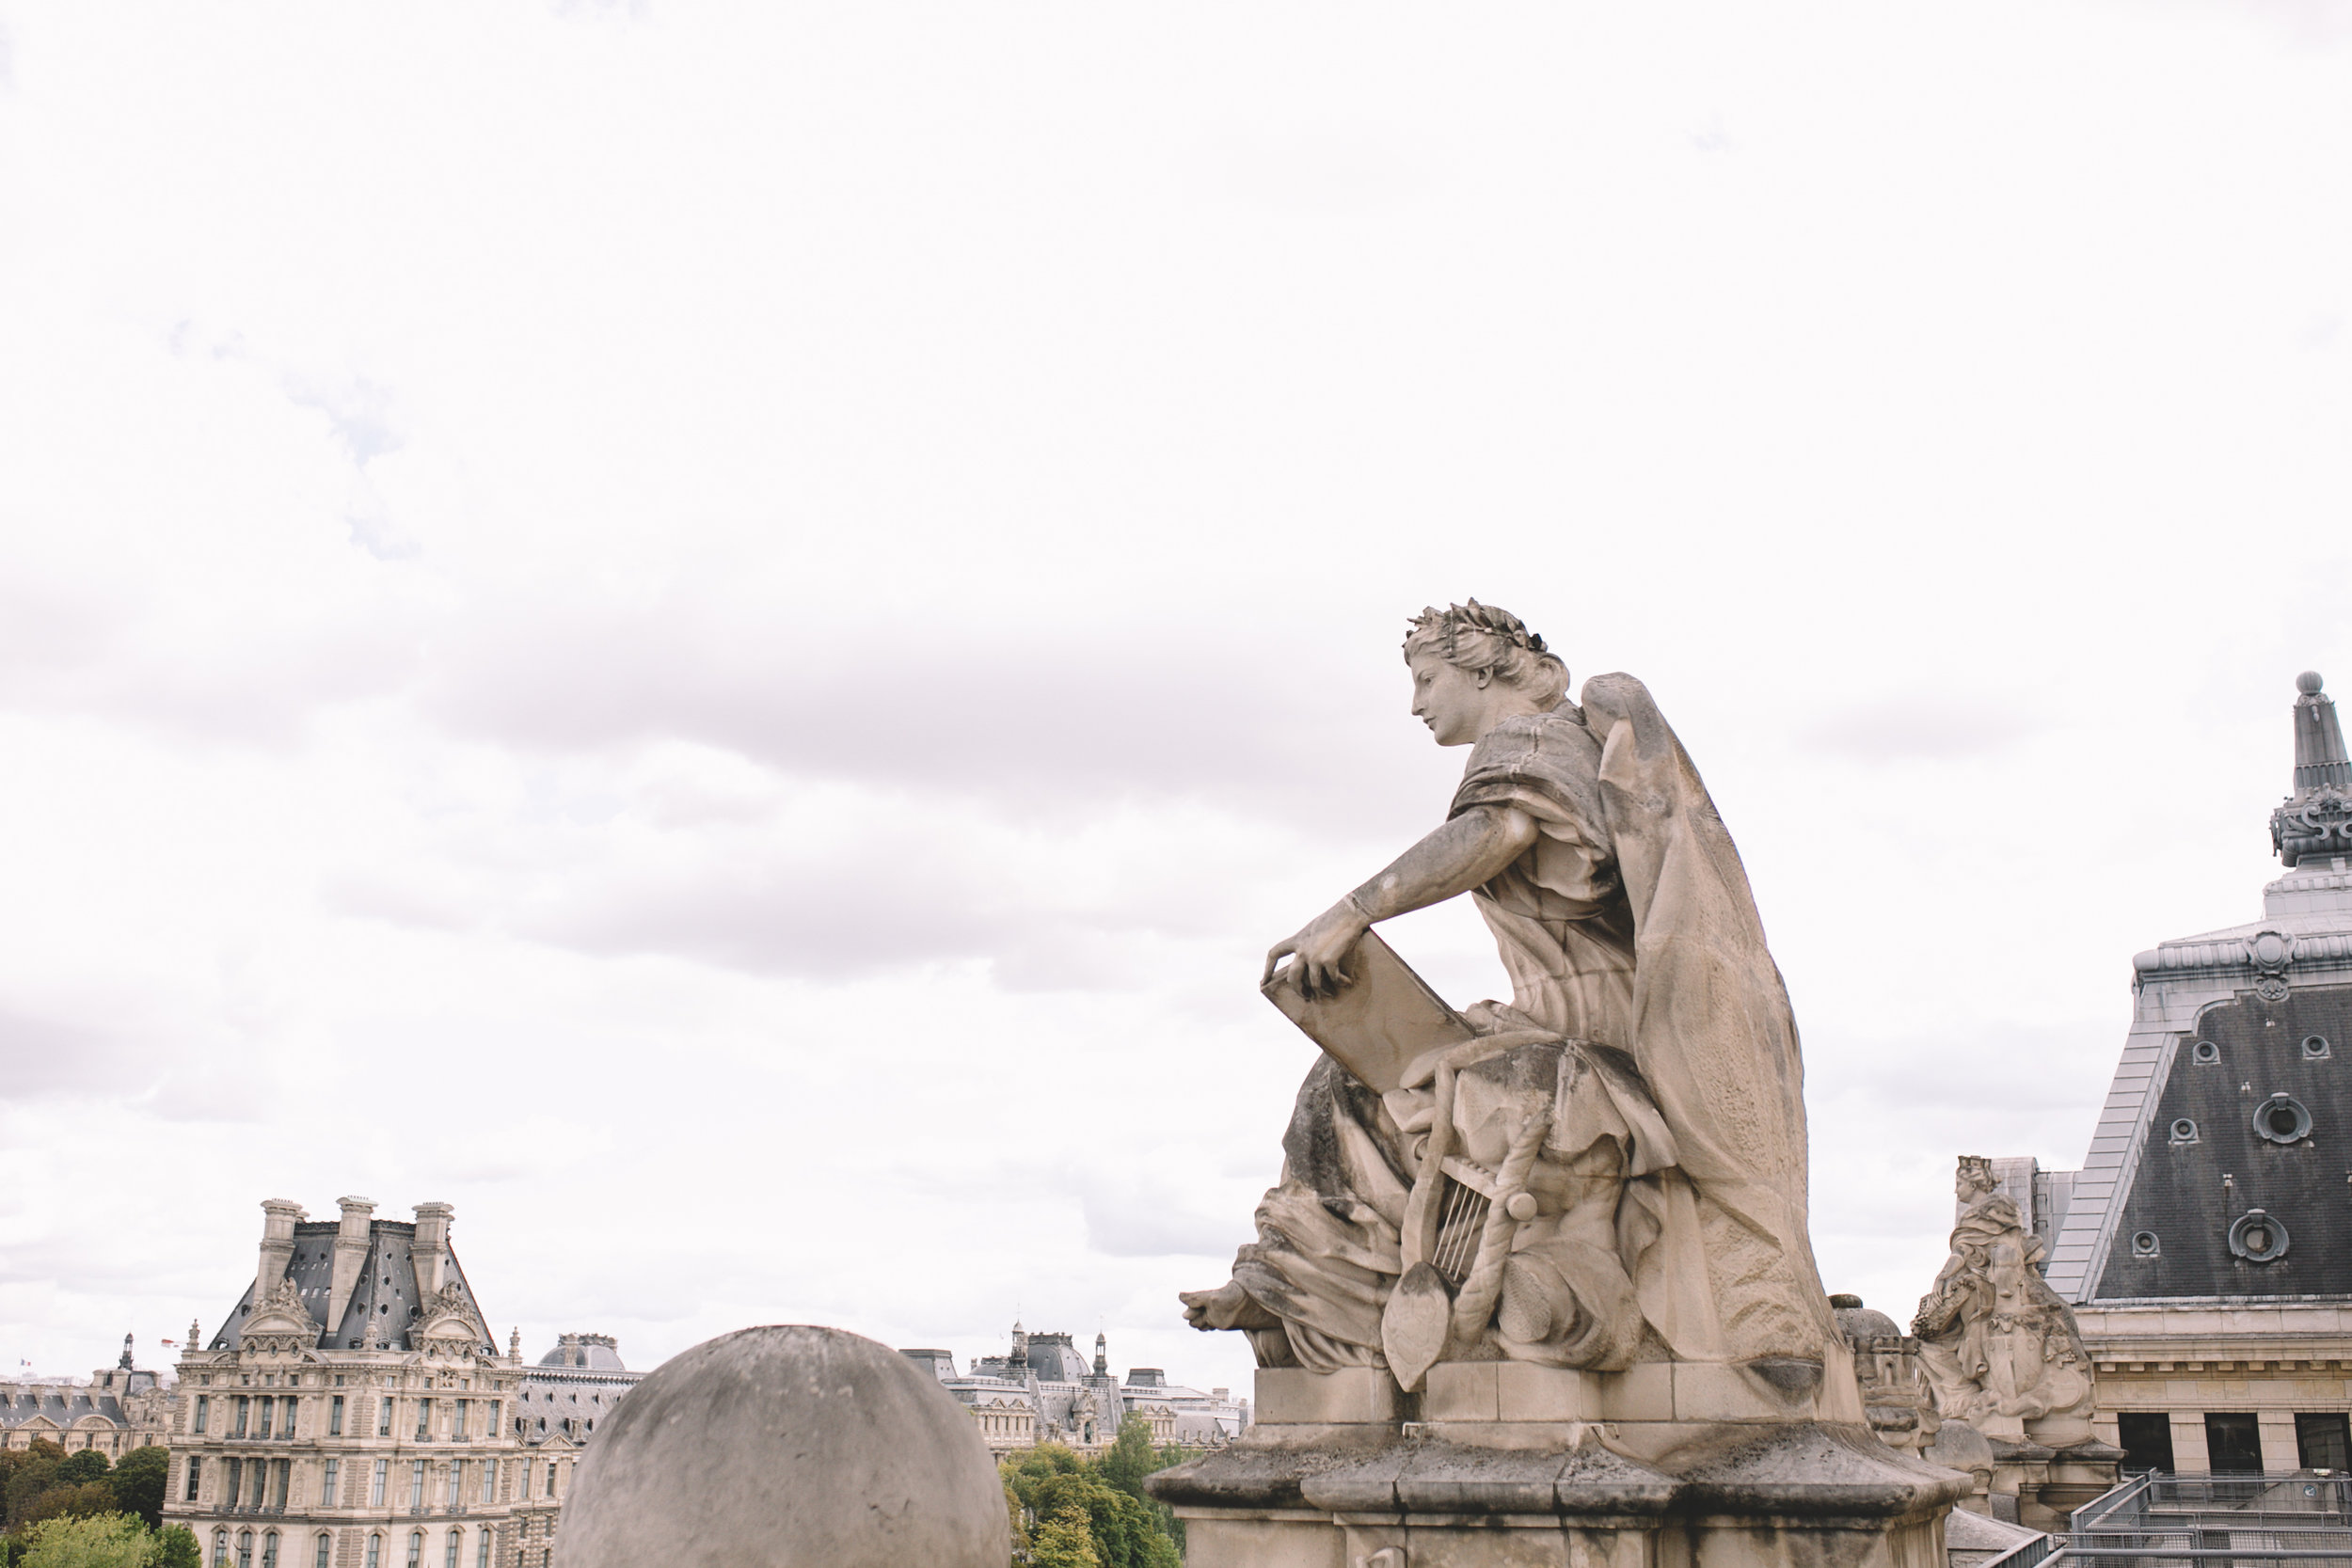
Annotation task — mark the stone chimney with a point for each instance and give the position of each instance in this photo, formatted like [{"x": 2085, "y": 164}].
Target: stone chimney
[
  {"x": 432, "y": 1246},
  {"x": 351, "y": 1256},
  {"x": 279, "y": 1219}
]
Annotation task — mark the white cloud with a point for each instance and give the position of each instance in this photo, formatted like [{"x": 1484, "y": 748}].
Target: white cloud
[{"x": 720, "y": 633}]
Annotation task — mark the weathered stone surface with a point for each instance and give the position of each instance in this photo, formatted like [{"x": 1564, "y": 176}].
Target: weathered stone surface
[
  {"x": 1897, "y": 1398},
  {"x": 1797, "y": 1469},
  {"x": 1970, "y": 1537},
  {"x": 1608, "y": 1171},
  {"x": 1998, "y": 1345},
  {"x": 786, "y": 1446},
  {"x": 1745, "y": 1496},
  {"x": 1550, "y": 1255}
]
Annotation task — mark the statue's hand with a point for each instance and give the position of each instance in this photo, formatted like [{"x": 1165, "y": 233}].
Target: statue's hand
[{"x": 1320, "y": 947}]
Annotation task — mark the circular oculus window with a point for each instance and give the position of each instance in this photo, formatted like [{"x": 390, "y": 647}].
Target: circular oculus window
[
  {"x": 2283, "y": 1119},
  {"x": 2205, "y": 1053},
  {"x": 2258, "y": 1237}
]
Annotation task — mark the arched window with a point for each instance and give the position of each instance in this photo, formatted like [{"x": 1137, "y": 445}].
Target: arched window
[
  {"x": 220, "y": 1548},
  {"x": 416, "y": 1548},
  {"x": 375, "y": 1551},
  {"x": 324, "y": 1555},
  {"x": 269, "y": 1550},
  {"x": 456, "y": 1540},
  {"x": 482, "y": 1549},
  {"x": 244, "y": 1549}
]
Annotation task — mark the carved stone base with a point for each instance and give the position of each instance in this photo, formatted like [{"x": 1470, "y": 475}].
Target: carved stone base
[
  {"x": 2047, "y": 1484},
  {"x": 1503, "y": 1465}
]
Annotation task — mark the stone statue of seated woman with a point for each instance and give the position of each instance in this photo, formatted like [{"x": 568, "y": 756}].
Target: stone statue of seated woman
[{"x": 1611, "y": 1169}]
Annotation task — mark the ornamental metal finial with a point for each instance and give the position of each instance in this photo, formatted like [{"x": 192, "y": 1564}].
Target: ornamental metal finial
[{"x": 2317, "y": 820}]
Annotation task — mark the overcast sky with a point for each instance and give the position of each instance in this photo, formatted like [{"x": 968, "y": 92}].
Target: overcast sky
[{"x": 721, "y": 634}]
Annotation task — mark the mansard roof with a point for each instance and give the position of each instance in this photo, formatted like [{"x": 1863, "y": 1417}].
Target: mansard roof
[
  {"x": 55, "y": 1408},
  {"x": 595, "y": 1353},
  {"x": 388, "y": 1293},
  {"x": 2216, "y": 1171}
]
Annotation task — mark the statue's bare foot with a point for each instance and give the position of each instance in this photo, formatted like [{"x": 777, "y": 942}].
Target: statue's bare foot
[{"x": 1227, "y": 1306}]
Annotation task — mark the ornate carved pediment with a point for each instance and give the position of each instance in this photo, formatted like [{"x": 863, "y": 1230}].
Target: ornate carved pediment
[
  {"x": 449, "y": 1325},
  {"x": 280, "y": 1322}
]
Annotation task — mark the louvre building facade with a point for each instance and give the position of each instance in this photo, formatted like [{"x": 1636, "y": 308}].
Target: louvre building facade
[{"x": 353, "y": 1412}]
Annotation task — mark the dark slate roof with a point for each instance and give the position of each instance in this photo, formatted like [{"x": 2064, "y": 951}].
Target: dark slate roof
[
  {"x": 552, "y": 1395},
  {"x": 387, "y": 1292},
  {"x": 2178, "y": 1195},
  {"x": 1055, "y": 1359},
  {"x": 62, "y": 1405}
]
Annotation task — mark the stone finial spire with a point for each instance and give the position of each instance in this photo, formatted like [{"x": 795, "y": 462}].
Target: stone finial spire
[
  {"x": 2317, "y": 820},
  {"x": 195, "y": 1340},
  {"x": 1102, "y": 1356},
  {"x": 2319, "y": 754},
  {"x": 125, "y": 1362}
]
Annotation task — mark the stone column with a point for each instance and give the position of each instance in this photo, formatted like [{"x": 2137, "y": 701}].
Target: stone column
[
  {"x": 277, "y": 1227},
  {"x": 351, "y": 1255},
  {"x": 431, "y": 1247}
]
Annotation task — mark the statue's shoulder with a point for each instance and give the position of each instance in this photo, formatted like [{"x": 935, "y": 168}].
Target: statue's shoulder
[{"x": 1549, "y": 732}]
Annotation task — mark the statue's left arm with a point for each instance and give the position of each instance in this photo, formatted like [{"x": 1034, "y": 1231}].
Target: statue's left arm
[{"x": 1474, "y": 848}]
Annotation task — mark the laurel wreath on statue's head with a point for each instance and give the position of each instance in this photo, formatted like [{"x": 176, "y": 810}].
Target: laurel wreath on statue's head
[{"x": 1499, "y": 624}]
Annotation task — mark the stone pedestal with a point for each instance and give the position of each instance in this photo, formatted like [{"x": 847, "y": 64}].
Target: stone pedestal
[
  {"x": 2047, "y": 1484},
  {"x": 1498, "y": 1464}
]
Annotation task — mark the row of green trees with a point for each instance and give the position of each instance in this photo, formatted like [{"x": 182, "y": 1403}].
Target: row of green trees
[
  {"x": 1073, "y": 1512},
  {"x": 77, "y": 1509}
]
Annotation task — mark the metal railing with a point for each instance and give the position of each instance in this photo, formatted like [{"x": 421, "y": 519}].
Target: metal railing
[
  {"x": 2025, "y": 1554},
  {"x": 2167, "y": 1521}
]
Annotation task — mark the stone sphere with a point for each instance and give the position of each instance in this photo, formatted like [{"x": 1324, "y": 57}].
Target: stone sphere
[
  {"x": 2308, "y": 682},
  {"x": 786, "y": 1446}
]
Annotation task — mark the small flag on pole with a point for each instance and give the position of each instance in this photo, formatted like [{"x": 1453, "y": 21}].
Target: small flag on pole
[{"x": 173, "y": 1343}]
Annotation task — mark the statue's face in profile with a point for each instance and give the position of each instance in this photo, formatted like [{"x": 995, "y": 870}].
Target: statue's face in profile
[{"x": 1450, "y": 699}]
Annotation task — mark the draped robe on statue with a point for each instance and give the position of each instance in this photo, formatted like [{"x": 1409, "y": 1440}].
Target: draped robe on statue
[{"x": 1673, "y": 1172}]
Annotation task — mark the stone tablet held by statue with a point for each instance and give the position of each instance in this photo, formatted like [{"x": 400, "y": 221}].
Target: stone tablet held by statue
[{"x": 1377, "y": 1024}]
